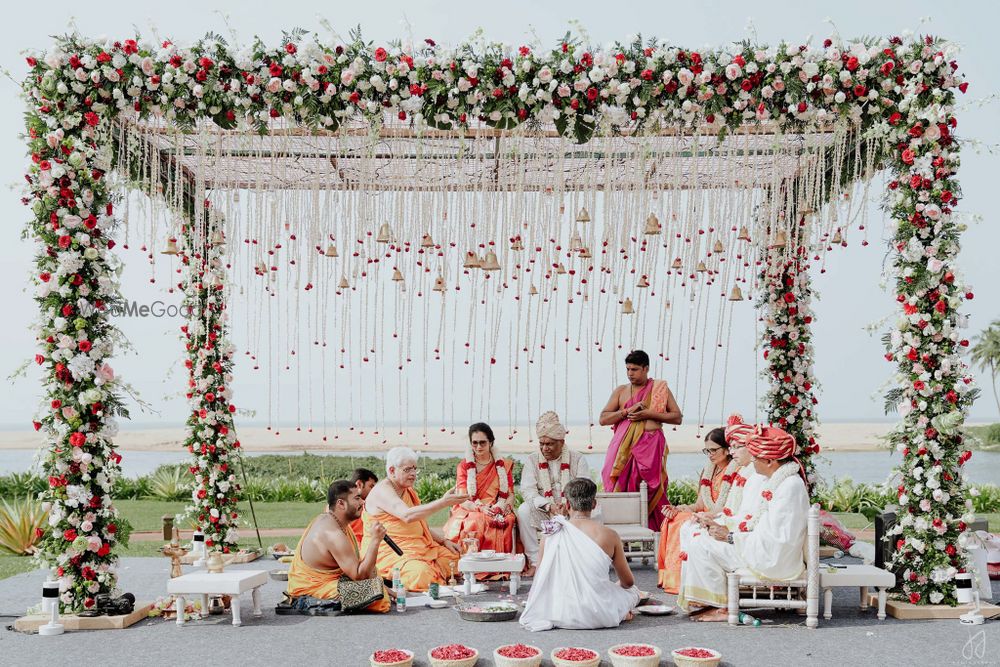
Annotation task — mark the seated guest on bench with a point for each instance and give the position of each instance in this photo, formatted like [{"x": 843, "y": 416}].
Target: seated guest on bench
[
  {"x": 365, "y": 480},
  {"x": 427, "y": 556},
  {"x": 328, "y": 550},
  {"x": 768, "y": 540},
  {"x": 488, "y": 513},
  {"x": 571, "y": 588}
]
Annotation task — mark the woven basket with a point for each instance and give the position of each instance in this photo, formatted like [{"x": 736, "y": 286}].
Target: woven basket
[
  {"x": 504, "y": 661},
  {"x": 464, "y": 662},
  {"x": 685, "y": 661},
  {"x": 559, "y": 662},
  {"x": 402, "y": 663},
  {"x": 635, "y": 661}
]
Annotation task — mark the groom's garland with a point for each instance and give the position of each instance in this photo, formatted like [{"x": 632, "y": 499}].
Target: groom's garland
[
  {"x": 545, "y": 480},
  {"x": 705, "y": 486},
  {"x": 787, "y": 470}
]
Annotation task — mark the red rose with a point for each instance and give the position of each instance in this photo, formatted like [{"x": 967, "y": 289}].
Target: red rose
[
  {"x": 852, "y": 63},
  {"x": 290, "y": 48},
  {"x": 914, "y": 598},
  {"x": 767, "y": 495},
  {"x": 65, "y": 241},
  {"x": 56, "y": 404},
  {"x": 69, "y": 535},
  {"x": 78, "y": 439},
  {"x": 381, "y": 54},
  {"x": 950, "y": 550},
  {"x": 907, "y": 156},
  {"x": 84, "y": 345}
]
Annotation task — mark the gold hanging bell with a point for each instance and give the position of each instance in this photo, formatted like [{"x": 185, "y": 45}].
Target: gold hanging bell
[
  {"x": 642, "y": 282},
  {"x": 490, "y": 262},
  {"x": 701, "y": 267},
  {"x": 736, "y": 294},
  {"x": 744, "y": 234},
  {"x": 837, "y": 238},
  {"x": 585, "y": 253},
  {"x": 517, "y": 244},
  {"x": 718, "y": 247},
  {"x": 575, "y": 242},
  {"x": 472, "y": 260},
  {"x": 397, "y": 276},
  {"x": 583, "y": 215},
  {"x": 439, "y": 284},
  {"x": 653, "y": 225},
  {"x": 677, "y": 265},
  {"x": 343, "y": 284},
  {"x": 384, "y": 233},
  {"x": 171, "y": 248},
  {"x": 532, "y": 291},
  {"x": 780, "y": 239},
  {"x": 627, "y": 308},
  {"x": 560, "y": 269},
  {"x": 218, "y": 238},
  {"x": 427, "y": 241},
  {"x": 331, "y": 251}
]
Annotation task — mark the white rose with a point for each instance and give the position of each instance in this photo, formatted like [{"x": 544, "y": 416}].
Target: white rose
[{"x": 545, "y": 74}]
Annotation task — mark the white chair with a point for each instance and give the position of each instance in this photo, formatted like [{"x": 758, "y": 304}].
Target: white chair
[
  {"x": 742, "y": 579},
  {"x": 626, "y": 514}
]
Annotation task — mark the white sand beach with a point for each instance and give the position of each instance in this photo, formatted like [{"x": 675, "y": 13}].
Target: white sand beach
[{"x": 832, "y": 437}]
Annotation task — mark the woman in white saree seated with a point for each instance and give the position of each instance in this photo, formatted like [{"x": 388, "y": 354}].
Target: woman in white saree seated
[{"x": 571, "y": 588}]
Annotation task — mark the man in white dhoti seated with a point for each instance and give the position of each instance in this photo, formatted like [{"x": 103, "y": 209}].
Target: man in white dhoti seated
[
  {"x": 767, "y": 540},
  {"x": 571, "y": 588},
  {"x": 543, "y": 480}
]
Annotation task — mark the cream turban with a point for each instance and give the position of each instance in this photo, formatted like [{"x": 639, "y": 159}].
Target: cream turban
[{"x": 548, "y": 426}]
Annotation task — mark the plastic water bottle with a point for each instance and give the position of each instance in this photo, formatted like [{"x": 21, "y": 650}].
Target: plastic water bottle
[
  {"x": 747, "y": 619},
  {"x": 396, "y": 584},
  {"x": 400, "y": 599}
]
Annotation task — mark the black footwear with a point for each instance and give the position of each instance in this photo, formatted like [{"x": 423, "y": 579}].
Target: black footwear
[{"x": 306, "y": 605}]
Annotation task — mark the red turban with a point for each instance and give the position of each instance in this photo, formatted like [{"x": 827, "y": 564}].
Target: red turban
[
  {"x": 768, "y": 442},
  {"x": 736, "y": 431}
]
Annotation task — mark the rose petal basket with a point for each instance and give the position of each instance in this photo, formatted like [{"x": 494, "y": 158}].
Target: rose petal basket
[
  {"x": 687, "y": 661},
  {"x": 504, "y": 661},
  {"x": 559, "y": 662},
  {"x": 402, "y": 663},
  {"x": 464, "y": 662},
  {"x": 619, "y": 660}
]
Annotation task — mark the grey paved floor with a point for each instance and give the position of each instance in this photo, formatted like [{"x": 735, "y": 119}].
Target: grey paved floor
[{"x": 852, "y": 637}]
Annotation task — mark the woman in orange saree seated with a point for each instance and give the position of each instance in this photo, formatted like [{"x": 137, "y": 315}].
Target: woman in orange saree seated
[
  {"x": 713, "y": 488},
  {"x": 488, "y": 514}
]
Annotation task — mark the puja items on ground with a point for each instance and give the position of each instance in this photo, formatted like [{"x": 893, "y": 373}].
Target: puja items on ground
[
  {"x": 393, "y": 657},
  {"x": 497, "y": 611},
  {"x": 695, "y": 656},
  {"x": 571, "y": 656},
  {"x": 634, "y": 655},
  {"x": 517, "y": 655},
  {"x": 453, "y": 655}
]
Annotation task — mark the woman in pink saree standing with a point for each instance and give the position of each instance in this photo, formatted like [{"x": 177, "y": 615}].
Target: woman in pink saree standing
[{"x": 638, "y": 449}]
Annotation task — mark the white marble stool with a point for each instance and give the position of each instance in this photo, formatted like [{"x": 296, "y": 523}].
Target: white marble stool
[
  {"x": 862, "y": 576},
  {"x": 232, "y": 583}
]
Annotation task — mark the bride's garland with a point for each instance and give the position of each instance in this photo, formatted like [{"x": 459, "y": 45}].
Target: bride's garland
[
  {"x": 750, "y": 521},
  {"x": 736, "y": 493},
  {"x": 705, "y": 486},
  {"x": 545, "y": 480},
  {"x": 472, "y": 486}
]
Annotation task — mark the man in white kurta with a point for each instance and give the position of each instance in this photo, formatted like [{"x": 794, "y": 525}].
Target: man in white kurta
[
  {"x": 543, "y": 477},
  {"x": 767, "y": 539},
  {"x": 571, "y": 588}
]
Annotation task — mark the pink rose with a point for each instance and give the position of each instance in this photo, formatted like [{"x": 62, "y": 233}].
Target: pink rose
[
  {"x": 274, "y": 85},
  {"x": 346, "y": 77}
]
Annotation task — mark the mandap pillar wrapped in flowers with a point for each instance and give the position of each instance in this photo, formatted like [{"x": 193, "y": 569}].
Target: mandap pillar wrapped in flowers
[
  {"x": 814, "y": 119},
  {"x": 211, "y": 435}
]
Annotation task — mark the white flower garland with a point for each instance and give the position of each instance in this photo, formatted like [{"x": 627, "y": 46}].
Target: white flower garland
[
  {"x": 471, "y": 485},
  {"x": 545, "y": 479},
  {"x": 736, "y": 493},
  {"x": 750, "y": 521},
  {"x": 705, "y": 490}
]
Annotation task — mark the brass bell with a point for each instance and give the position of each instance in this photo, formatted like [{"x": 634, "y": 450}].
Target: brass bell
[
  {"x": 652, "y": 224},
  {"x": 171, "y": 248},
  {"x": 744, "y": 234},
  {"x": 532, "y": 291},
  {"x": 490, "y": 262},
  {"x": 575, "y": 242},
  {"x": 678, "y": 264},
  {"x": 218, "y": 238},
  {"x": 780, "y": 240},
  {"x": 439, "y": 284},
  {"x": 397, "y": 276},
  {"x": 736, "y": 294},
  {"x": 701, "y": 267},
  {"x": 427, "y": 241},
  {"x": 384, "y": 233},
  {"x": 471, "y": 260},
  {"x": 560, "y": 269},
  {"x": 585, "y": 253},
  {"x": 331, "y": 251},
  {"x": 837, "y": 238},
  {"x": 517, "y": 244},
  {"x": 643, "y": 282},
  {"x": 583, "y": 215},
  {"x": 343, "y": 284},
  {"x": 627, "y": 308},
  {"x": 718, "y": 247}
]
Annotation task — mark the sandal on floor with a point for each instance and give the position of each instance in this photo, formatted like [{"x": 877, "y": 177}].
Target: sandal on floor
[{"x": 306, "y": 605}]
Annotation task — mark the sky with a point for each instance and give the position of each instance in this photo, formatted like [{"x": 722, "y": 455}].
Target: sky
[{"x": 849, "y": 363}]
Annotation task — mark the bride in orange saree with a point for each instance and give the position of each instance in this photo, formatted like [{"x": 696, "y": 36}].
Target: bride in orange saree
[
  {"x": 488, "y": 514},
  {"x": 713, "y": 488}
]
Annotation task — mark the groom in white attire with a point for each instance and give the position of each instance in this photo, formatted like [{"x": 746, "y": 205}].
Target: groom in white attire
[
  {"x": 571, "y": 588},
  {"x": 767, "y": 540}
]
